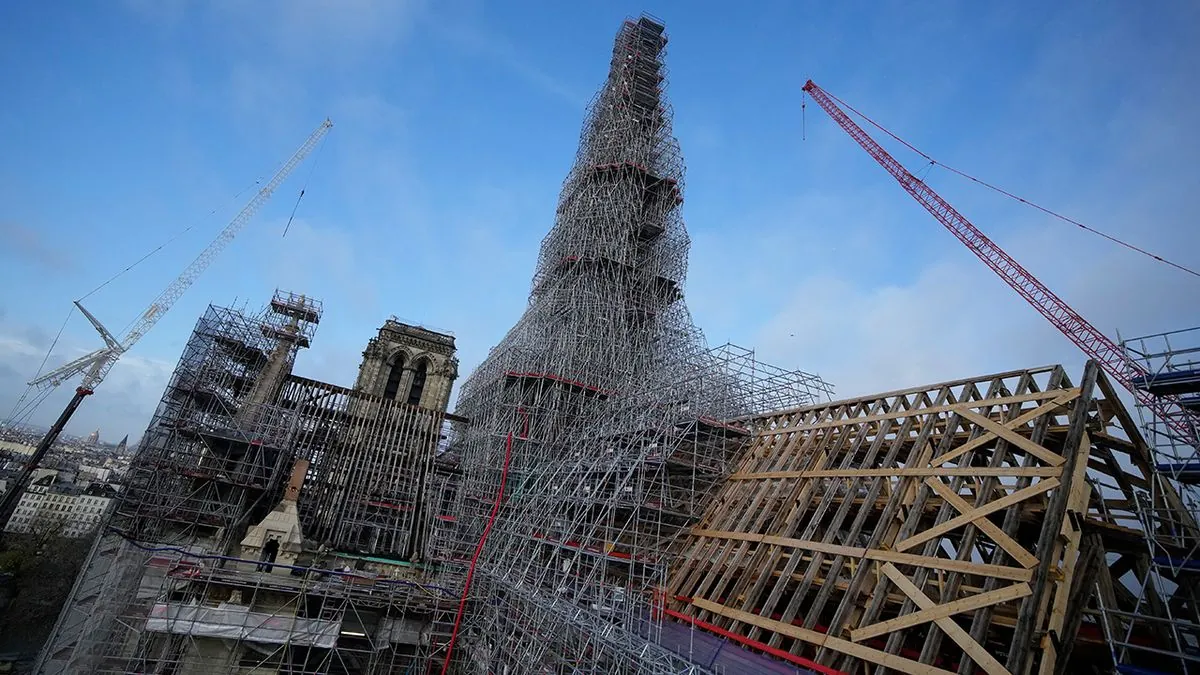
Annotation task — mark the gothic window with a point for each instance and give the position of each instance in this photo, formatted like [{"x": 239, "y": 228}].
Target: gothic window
[
  {"x": 393, "y": 381},
  {"x": 418, "y": 383}
]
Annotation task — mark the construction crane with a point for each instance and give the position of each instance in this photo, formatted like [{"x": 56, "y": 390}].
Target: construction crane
[
  {"x": 95, "y": 366},
  {"x": 1111, "y": 358}
]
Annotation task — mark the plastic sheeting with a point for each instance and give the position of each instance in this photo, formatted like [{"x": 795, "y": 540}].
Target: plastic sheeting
[{"x": 237, "y": 622}]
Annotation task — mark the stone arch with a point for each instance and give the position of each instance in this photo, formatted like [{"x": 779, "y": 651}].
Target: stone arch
[
  {"x": 394, "y": 366},
  {"x": 420, "y": 368}
]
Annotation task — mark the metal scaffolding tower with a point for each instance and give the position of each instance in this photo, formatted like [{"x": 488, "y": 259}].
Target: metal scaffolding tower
[
  {"x": 1159, "y": 626},
  {"x": 94, "y": 366},
  {"x": 270, "y": 523},
  {"x": 600, "y": 422}
]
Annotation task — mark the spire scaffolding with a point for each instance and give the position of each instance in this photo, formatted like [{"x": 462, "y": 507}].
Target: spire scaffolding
[{"x": 600, "y": 423}]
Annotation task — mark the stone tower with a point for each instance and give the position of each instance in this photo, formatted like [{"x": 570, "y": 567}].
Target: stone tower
[{"x": 410, "y": 364}]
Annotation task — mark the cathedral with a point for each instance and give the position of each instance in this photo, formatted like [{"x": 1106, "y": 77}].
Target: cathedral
[{"x": 273, "y": 522}]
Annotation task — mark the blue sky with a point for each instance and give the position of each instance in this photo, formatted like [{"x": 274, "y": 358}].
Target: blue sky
[{"x": 456, "y": 122}]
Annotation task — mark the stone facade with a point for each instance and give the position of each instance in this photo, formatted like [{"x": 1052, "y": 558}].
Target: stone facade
[
  {"x": 281, "y": 526},
  {"x": 410, "y": 364},
  {"x": 54, "y": 505}
]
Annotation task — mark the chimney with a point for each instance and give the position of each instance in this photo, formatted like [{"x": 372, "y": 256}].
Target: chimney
[{"x": 299, "y": 470}]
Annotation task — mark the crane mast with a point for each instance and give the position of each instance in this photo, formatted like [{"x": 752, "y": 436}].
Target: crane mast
[
  {"x": 95, "y": 365},
  {"x": 1110, "y": 357}
]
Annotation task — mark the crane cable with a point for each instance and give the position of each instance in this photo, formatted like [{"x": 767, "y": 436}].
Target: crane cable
[
  {"x": 933, "y": 162},
  {"x": 803, "y": 121},
  {"x": 23, "y": 407},
  {"x": 311, "y": 168},
  {"x": 163, "y": 245}
]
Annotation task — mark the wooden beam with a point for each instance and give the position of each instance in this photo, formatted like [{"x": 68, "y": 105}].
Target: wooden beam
[
  {"x": 969, "y": 471},
  {"x": 1044, "y": 409},
  {"x": 1067, "y": 550},
  {"x": 899, "y": 392},
  {"x": 1006, "y": 400},
  {"x": 968, "y": 604},
  {"x": 1018, "y": 552},
  {"x": 977, "y": 513},
  {"x": 1001, "y": 430},
  {"x": 1088, "y": 569},
  {"x": 1030, "y": 617},
  {"x": 1107, "y": 439},
  {"x": 815, "y": 638},
  {"x": 862, "y": 553},
  {"x": 1131, "y": 428},
  {"x": 952, "y": 630}
]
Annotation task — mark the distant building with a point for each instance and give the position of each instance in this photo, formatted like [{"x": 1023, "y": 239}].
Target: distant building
[
  {"x": 13, "y": 455},
  {"x": 93, "y": 438},
  {"x": 73, "y": 510},
  {"x": 94, "y": 473}
]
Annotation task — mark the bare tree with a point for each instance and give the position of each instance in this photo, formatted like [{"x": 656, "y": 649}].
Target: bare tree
[{"x": 37, "y": 569}]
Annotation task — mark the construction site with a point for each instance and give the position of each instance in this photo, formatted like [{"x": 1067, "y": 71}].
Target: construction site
[{"x": 612, "y": 494}]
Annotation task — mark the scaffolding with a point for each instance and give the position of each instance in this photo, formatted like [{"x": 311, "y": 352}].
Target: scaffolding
[
  {"x": 271, "y": 523},
  {"x": 978, "y": 525},
  {"x": 1156, "y": 621},
  {"x": 599, "y": 424}
]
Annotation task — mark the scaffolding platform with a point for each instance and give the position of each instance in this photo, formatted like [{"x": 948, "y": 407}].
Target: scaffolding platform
[
  {"x": 664, "y": 289},
  {"x": 1126, "y": 669},
  {"x": 297, "y": 306},
  {"x": 555, "y": 380},
  {"x": 1170, "y": 383},
  {"x": 657, "y": 188},
  {"x": 1184, "y": 472},
  {"x": 1180, "y": 564}
]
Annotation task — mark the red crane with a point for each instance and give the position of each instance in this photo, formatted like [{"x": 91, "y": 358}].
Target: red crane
[{"x": 1111, "y": 358}]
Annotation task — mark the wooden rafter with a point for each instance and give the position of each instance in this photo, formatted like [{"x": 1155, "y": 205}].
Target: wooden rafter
[{"x": 927, "y": 529}]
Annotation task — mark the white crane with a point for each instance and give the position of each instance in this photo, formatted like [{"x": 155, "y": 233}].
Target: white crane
[{"x": 95, "y": 365}]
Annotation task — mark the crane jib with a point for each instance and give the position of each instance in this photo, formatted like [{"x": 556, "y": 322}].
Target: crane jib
[
  {"x": 1111, "y": 358},
  {"x": 96, "y": 365}
]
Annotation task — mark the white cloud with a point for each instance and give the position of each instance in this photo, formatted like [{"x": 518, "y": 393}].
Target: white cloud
[
  {"x": 950, "y": 316},
  {"x": 313, "y": 27},
  {"x": 122, "y": 404},
  {"x": 818, "y": 294},
  {"x": 952, "y": 321},
  {"x": 868, "y": 289}
]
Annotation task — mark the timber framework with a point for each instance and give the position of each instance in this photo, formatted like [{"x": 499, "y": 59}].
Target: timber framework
[{"x": 974, "y": 525}]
